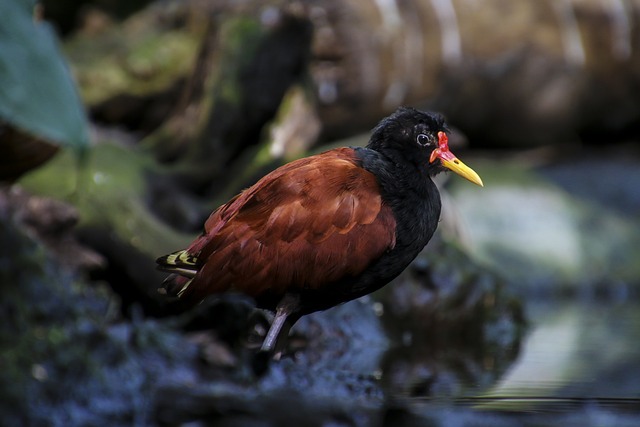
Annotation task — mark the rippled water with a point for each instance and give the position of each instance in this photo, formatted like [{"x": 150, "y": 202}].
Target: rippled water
[
  {"x": 578, "y": 350},
  {"x": 579, "y": 364}
]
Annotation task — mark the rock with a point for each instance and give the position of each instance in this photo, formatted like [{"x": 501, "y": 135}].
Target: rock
[{"x": 51, "y": 222}]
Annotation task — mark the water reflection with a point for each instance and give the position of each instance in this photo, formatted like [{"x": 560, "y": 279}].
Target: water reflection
[
  {"x": 433, "y": 368},
  {"x": 576, "y": 356},
  {"x": 578, "y": 365},
  {"x": 577, "y": 350}
]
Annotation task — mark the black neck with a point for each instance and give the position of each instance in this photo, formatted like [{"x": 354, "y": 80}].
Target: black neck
[{"x": 413, "y": 197}]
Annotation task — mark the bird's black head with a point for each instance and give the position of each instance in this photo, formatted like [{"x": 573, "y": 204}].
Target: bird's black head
[{"x": 410, "y": 136}]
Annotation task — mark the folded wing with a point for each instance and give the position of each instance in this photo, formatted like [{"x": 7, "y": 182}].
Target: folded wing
[{"x": 306, "y": 225}]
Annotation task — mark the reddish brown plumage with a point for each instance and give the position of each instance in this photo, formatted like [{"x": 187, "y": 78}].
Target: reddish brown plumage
[
  {"x": 326, "y": 229},
  {"x": 304, "y": 226}
]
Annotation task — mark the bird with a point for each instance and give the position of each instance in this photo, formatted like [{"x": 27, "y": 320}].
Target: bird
[{"x": 325, "y": 229}]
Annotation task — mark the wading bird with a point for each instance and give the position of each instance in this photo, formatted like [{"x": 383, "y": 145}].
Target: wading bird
[{"x": 325, "y": 229}]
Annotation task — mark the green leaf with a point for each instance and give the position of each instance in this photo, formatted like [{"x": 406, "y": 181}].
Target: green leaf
[{"x": 37, "y": 93}]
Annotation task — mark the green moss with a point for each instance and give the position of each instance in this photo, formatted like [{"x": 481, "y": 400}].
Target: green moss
[
  {"x": 115, "y": 63},
  {"x": 110, "y": 194},
  {"x": 240, "y": 38},
  {"x": 237, "y": 41}
]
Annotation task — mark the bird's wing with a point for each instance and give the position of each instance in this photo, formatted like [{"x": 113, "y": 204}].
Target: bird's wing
[{"x": 305, "y": 225}]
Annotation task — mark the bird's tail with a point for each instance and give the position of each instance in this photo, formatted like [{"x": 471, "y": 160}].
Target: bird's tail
[
  {"x": 184, "y": 267},
  {"x": 174, "y": 285}
]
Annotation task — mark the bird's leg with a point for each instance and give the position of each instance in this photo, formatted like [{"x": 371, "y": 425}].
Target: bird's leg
[{"x": 283, "y": 321}]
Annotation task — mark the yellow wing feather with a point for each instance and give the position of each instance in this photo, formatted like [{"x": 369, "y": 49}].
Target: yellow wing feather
[{"x": 180, "y": 262}]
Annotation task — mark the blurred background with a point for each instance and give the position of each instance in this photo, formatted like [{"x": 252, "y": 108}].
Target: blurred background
[{"x": 123, "y": 124}]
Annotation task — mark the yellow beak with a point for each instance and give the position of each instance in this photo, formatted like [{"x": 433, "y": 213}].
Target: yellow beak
[
  {"x": 451, "y": 162},
  {"x": 461, "y": 169}
]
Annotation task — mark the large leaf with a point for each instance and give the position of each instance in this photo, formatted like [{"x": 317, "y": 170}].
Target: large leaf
[{"x": 37, "y": 93}]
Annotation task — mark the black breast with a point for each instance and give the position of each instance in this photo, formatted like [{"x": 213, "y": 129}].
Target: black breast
[{"x": 415, "y": 202}]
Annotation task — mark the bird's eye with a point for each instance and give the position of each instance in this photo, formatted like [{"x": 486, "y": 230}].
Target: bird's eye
[{"x": 423, "y": 139}]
